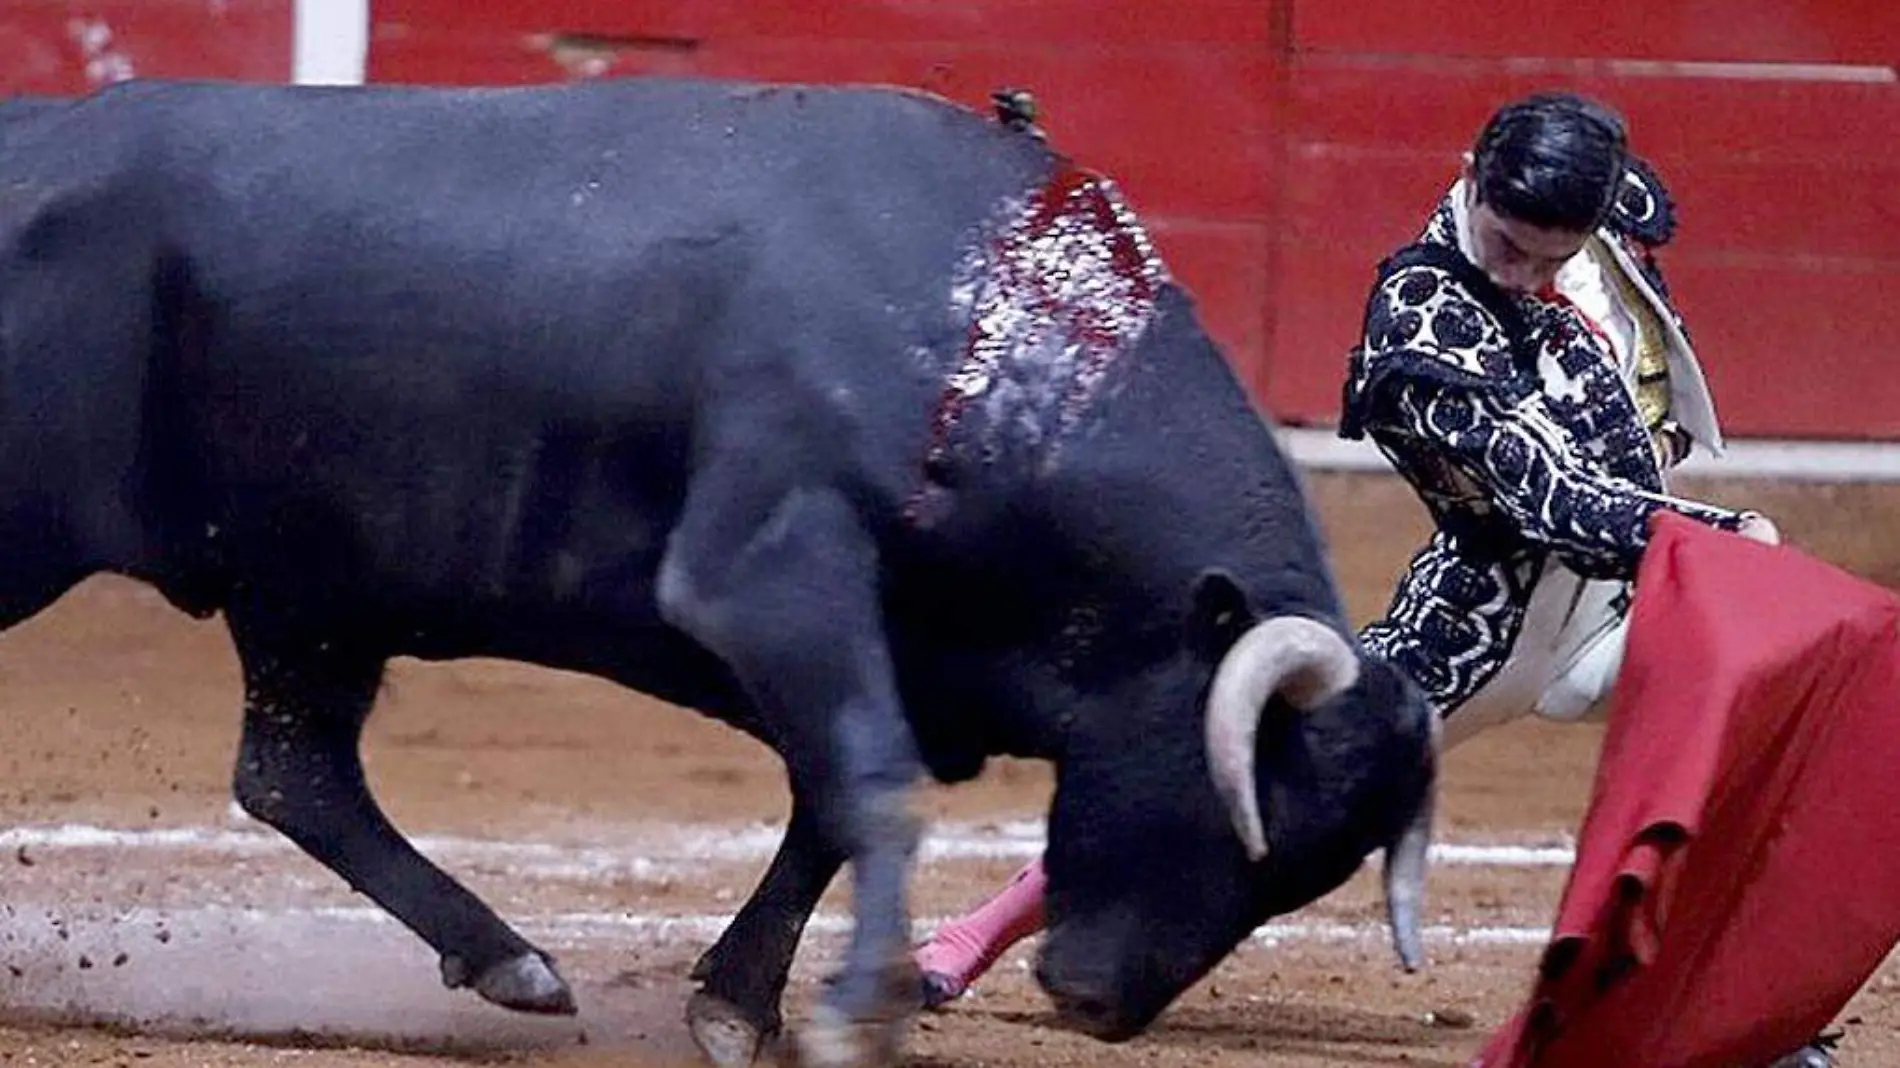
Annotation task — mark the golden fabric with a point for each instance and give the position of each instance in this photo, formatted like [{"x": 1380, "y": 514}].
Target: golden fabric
[{"x": 1652, "y": 351}]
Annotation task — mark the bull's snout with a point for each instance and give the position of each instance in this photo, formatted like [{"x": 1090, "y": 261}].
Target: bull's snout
[{"x": 1088, "y": 1001}]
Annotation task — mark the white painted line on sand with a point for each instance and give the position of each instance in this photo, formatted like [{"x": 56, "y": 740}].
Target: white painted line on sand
[
  {"x": 1503, "y": 856},
  {"x": 655, "y": 850},
  {"x": 703, "y": 926}
]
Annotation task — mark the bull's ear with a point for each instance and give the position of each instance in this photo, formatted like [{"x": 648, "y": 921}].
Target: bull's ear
[{"x": 1218, "y": 615}]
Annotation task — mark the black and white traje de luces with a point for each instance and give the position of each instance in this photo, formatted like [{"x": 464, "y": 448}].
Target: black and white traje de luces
[{"x": 1511, "y": 417}]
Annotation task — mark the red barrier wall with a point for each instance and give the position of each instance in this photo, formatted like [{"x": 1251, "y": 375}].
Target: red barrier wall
[
  {"x": 1278, "y": 148},
  {"x": 53, "y": 46},
  {"x": 1775, "y": 122}
]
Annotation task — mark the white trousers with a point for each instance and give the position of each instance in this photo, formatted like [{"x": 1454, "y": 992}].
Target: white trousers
[{"x": 1564, "y": 663}]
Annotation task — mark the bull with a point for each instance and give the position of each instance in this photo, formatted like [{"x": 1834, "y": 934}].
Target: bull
[{"x": 867, "y": 425}]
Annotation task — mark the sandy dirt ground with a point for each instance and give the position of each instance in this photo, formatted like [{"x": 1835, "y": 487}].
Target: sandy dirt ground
[{"x": 142, "y": 922}]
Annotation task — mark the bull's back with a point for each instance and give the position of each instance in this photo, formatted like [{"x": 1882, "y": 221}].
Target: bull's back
[
  {"x": 556, "y": 217},
  {"x": 457, "y": 347},
  {"x": 592, "y": 245}
]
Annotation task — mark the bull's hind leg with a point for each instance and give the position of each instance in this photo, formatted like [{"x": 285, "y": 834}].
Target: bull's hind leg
[
  {"x": 299, "y": 769},
  {"x": 743, "y": 975},
  {"x": 783, "y": 585}
]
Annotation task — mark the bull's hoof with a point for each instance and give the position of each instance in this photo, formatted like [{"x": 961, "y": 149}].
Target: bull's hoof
[
  {"x": 939, "y": 990},
  {"x": 527, "y": 983},
  {"x": 830, "y": 1039},
  {"x": 722, "y": 1032}
]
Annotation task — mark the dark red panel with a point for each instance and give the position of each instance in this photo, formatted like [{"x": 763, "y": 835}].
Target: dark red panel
[
  {"x": 663, "y": 19},
  {"x": 1410, "y": 109},
  {"x": 1186, "y": 139},
  {"x": 1790, "y": 210},
  {"x": 1797, "y": 353},
  {"x": 38, "y": 56},
  {"x": 1797, "y": 31},
  {"x": 1366, "y": 204},
  {"x": 406, "y": 54},
  {"x": 1225, "y": 269},
  {"x": 1040, "y": 23},
  {"x": 446, "y": 42},
  {"x": 415, "y": 29},
  {"x": 1318, "y": 305},
  {"x": 64, "y": 48}
]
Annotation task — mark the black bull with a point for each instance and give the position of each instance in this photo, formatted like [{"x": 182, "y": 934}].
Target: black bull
[{"x": 855, "y": 420}]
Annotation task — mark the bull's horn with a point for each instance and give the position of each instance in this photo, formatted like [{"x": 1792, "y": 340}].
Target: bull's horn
[
  {"x": 1301, "y": 660},
  {"x": 1405, "y": 863}
]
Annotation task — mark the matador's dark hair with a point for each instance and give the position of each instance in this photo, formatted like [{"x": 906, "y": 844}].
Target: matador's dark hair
[{"x": 1553, "y": 160}]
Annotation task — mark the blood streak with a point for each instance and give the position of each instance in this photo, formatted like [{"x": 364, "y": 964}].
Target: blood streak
[{"x": 1062, "y": 290}]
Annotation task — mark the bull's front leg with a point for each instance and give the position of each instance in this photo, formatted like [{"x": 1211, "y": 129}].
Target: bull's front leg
[
  {"x": 742, "y": 977},
  {"x": 784, "y": 587}
]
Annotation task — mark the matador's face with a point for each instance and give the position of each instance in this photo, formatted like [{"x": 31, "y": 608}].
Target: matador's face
[{"x": 1518, "y": 255}]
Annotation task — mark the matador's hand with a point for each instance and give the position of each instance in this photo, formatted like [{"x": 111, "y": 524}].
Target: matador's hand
[{"x": 1758, "y": 527}]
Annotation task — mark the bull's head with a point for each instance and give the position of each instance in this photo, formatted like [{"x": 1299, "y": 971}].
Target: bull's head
[{"x": 1286, "y": 759}]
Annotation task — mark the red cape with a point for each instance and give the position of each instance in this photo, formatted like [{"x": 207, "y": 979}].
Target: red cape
[{"x": 1738, "y": 872}]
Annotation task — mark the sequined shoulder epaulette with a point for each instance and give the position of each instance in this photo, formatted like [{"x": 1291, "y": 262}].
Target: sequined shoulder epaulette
[
  {"x": 1434, "y": 315},
  {"x": 1643, "y": 210}
]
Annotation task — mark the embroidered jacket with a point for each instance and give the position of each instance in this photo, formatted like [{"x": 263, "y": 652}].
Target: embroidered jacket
[{"x": 1527, "y": 443}]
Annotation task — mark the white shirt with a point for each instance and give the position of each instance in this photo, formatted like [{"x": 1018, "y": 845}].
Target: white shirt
[{"x": 1581, "y": 280}]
